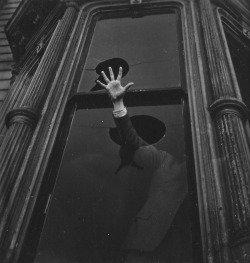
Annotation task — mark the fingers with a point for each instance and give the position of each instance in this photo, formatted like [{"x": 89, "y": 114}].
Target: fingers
[
  {"x": 111, "y": 74},
  {"x": 129, "y": 85},
  {"x": 105, "y": 86},
  {"x": 105, "y": 77},
  {"x": 119, "y": 74}
]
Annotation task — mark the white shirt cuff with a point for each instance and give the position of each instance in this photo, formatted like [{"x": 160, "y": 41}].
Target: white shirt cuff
[{"x": 120, "y": 113}]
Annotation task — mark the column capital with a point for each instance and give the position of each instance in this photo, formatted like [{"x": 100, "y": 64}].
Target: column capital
[
  {"x": 228, "y": 105},
  {"x": 25, "y": 115}
]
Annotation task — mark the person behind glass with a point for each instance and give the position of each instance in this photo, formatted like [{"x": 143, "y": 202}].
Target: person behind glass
[{"x": 168, "y": 186}]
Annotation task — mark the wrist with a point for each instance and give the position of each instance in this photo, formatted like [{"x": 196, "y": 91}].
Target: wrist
[
  {"x": 118, "y": 105},
  {"x": 119, "y": 109},
  {"x": 120, "y": 113}
]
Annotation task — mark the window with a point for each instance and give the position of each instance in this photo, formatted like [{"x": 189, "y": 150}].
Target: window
[{"x": 101, "y": 188}]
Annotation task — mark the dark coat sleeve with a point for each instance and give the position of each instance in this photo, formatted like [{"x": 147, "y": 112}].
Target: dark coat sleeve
[
  {"x": 128, "y": 134},
  {"x": 149, "y": 157}
]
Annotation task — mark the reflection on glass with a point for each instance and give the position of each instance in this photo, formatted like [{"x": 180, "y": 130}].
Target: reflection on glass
[
  {"x": 148, "y": 44},
  {"x": 95, "y": 204}
]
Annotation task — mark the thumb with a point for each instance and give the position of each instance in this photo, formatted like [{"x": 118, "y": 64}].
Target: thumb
[{"x": 129, "y": 85}]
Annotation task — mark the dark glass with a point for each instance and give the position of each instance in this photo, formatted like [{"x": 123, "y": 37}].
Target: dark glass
[
  {"x": 101, "y": 187},
  {"x": 93, "y": 205},
  {"x": 148, "y": 44}
]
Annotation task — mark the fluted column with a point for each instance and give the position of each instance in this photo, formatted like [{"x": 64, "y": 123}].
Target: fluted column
[
  {"x": 21, "y": 122},
  {"x": 229, "y": 114},
  {"x": 16, "y": 92},
  {"x": 24, "y": 70}
]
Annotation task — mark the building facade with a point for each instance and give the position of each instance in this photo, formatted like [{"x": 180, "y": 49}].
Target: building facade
[
  {"x": 203, "y": 63},
  {"x": 6, "y": 59}
]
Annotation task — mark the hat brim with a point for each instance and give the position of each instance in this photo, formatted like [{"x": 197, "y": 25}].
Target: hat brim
[{"x": 115, "y": 64}]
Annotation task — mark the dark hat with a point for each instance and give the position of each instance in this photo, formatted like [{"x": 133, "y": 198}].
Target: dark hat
[
  {"x": 149, "y": 128},
  {"x": 115, "y": 64}
]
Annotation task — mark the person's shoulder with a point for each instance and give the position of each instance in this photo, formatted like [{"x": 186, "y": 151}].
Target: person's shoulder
[{"x": 148, "y": 156}]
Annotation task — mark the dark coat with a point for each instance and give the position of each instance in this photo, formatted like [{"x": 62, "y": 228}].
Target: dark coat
[{"x": 167, "y": 191}]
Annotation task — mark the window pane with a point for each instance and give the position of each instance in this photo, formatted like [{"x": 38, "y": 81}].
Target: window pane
[
  {"x": 95, "y": 204},
  {"x": 148, "y": 44}
]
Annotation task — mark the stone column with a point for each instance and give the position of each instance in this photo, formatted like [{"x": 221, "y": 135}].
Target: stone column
[
  {"x": 229, "y": 114},
  {"x": 23, "y": 71},
  {"x": 21, "y": 122},
  {"x": 16, "y": 92}
]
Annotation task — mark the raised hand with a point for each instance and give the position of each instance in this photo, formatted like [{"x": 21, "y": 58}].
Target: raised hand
[{"x": 114, "y": 88}]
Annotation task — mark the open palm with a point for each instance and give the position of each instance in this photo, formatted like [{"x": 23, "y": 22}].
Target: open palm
[{"x": 113, "y": 86}]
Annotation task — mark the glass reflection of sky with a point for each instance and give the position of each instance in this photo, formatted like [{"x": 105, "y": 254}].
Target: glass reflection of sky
[
  {"x": 149, "y": 45},
  {"x": 92, "y": 207}
]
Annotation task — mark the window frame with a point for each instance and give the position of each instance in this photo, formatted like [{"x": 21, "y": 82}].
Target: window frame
[{"x": 158, "y": 8}]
